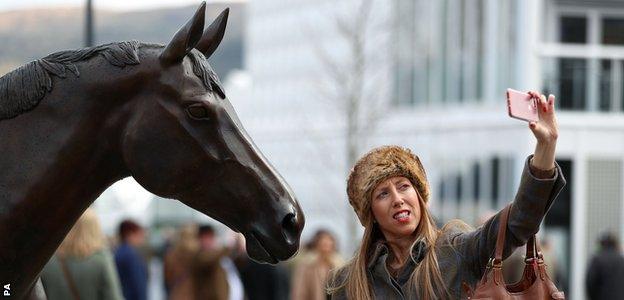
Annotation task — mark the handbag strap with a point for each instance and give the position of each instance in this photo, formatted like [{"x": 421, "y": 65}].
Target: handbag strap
[
  {"x": 500, "y": 239},
  {"x": 533, "y": 250},
  {"x": 68, "y": 278}
]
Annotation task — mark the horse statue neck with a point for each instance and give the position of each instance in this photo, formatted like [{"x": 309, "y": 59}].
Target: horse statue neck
[{"x": 68, "y": 150}]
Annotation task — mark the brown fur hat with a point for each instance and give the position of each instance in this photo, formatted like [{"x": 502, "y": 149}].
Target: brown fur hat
[{"x": 376, "y": 166}]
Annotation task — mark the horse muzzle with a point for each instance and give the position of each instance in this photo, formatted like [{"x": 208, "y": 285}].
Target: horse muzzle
[{"x": 275, "y": 245}]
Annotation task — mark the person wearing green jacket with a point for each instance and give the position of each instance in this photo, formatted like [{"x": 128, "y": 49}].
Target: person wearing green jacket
[{"x": 83, "y": 267}]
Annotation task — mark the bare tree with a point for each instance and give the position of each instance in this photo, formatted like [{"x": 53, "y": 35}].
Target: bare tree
[{"x": 351, "y": 84}]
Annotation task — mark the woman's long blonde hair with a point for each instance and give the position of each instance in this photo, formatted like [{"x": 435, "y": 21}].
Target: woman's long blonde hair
[
  {"x": 85, "y": 238},
  {"x": 426, "y": 278}
]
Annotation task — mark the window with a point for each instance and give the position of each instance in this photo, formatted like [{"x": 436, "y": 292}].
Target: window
[
  {"x": 573, "y": 30},
  {"x": 438, "y": 50},
  {"x": 572, "y": 83},
  {"x": 476, "y": 182},
  {"x": 604, "y": 100},
  {"x": 458, "y": 188},
  {"x": 494, "y": 165},
  {"x": 613, "y": 31},
  {"x": 593, "y": 79},
  {"x": 409, "y": 58},
  {"x": 441, "y": 190}
]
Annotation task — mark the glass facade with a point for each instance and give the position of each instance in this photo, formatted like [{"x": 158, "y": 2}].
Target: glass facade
[{"x": 439, "y": 50}]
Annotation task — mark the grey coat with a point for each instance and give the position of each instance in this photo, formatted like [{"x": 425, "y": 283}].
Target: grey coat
[
  {"x": 95, "y": 277},
  {"x": 463, "y": 254}
]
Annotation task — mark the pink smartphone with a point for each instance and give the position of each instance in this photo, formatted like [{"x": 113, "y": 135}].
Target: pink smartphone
[{"x": 521, "y": 106}]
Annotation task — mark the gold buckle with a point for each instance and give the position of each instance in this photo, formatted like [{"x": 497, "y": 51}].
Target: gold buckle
[{"x": 493, "y": 264}]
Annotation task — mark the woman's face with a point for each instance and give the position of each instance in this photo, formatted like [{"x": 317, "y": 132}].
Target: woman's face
[
  {"x": 325, "y": 244},
  {"x": 395, "y": 207}
]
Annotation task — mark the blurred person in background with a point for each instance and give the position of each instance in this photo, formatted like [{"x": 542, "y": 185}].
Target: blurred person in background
[
  {"x": 131, "y": 266},
  {"x": 83, "y": 266},
  {"x": 550, "y": 258},
  {"x": 178, "y": 263},
  {"x": 210, "y": 279},
  {"x": 215, "y": 266},
  {"x": 310, "y": 276},
  {"x": 168, "y": 236},
  {"x": 260, "y": 281},
  {"x": 605, "y": 274},
  {"x": 305, "y": 254}
]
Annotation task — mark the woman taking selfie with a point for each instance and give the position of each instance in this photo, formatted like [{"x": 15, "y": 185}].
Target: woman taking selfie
[{"x": 403, "y": 255}]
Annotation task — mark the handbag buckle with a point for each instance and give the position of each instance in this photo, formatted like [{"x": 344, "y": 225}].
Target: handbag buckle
[{"x": 493, "y": 263}]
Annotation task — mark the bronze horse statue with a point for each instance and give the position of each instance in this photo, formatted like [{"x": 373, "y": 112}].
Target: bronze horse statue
[{"x": 75, "y": 122}]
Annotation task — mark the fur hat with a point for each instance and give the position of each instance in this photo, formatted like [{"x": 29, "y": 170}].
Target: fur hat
[{"x": 378, "y": 165}]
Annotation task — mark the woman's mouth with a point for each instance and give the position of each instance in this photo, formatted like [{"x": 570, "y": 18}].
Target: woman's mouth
[{"x": 402, "y": 215}]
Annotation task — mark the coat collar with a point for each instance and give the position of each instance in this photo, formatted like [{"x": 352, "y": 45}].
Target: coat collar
[{"x": 417, "y": 253}]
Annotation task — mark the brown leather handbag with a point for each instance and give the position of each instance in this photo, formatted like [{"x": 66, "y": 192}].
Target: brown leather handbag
[{"x": 535, "y": 283}]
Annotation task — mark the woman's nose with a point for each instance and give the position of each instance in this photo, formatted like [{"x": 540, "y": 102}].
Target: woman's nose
[{"x": 397, "y": 200}]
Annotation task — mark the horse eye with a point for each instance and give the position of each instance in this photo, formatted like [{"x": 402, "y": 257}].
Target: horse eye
[{"x": 197, "y": 111}]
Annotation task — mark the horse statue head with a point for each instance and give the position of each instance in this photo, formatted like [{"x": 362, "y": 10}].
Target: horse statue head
[
  {"x": 185, "y": 142},
  {"x": 76, "y": 121}
]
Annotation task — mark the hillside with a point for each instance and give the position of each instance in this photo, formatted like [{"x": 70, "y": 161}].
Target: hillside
[{"x": 26, "y": 35}]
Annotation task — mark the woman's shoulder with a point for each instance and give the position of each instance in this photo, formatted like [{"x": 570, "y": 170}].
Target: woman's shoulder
[
  {"x": 336, "y": 282},
  {"x": 100, "y": 258},
  {"x": 339, "y": 275},
  {"x": 452, "y": 230}
]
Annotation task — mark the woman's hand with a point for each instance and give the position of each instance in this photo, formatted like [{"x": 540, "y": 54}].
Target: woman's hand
[{"x": 546, "y": 132}]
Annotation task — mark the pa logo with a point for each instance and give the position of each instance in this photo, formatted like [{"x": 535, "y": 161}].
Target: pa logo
[{"x": 7, "y": 290}]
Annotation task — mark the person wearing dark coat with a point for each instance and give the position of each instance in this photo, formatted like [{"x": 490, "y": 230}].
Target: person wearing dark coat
[
  {"x": 260, "y": 281},
  {"x": 130, "y": 264},
  {"x": 605, "y": 275}
]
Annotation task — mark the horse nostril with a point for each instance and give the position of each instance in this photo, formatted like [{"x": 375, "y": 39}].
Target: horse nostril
[{"x": 290, "y": 228}]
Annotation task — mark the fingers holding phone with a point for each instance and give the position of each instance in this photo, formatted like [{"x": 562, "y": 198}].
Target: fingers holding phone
[{"x": 546, "y": 128}]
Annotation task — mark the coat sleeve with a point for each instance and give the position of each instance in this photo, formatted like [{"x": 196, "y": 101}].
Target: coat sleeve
[{"x": 533, "y": 199}]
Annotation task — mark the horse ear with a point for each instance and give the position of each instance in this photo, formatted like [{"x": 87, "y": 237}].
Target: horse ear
[
  {"x": 186, "y": 38},
  {"x": 213, "y": 35}
]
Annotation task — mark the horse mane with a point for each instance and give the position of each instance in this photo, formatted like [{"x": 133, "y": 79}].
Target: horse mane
[{"x": 22, "y": 89}]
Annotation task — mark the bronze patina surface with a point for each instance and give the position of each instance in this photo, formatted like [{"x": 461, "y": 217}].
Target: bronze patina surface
[{"x": 75, "y": 122}]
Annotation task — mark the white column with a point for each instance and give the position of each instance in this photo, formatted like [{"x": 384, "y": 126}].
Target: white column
[
  {"x": 577, "y": 283},
  {"x": 529, "y": 70}
]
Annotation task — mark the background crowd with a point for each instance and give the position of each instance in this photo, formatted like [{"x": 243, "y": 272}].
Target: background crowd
[{"x": 198, "y": 263}]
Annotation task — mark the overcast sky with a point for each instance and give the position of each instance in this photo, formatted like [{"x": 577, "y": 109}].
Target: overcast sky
[{"x": 107, "y": 4}]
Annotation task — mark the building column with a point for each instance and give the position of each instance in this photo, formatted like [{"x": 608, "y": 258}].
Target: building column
[{"x": 579, "y": 241}]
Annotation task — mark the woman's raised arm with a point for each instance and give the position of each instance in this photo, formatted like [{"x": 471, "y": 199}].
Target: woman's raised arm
[
  {"x": 546, "y": 132},
  {"x": 540, "y": 184}
]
